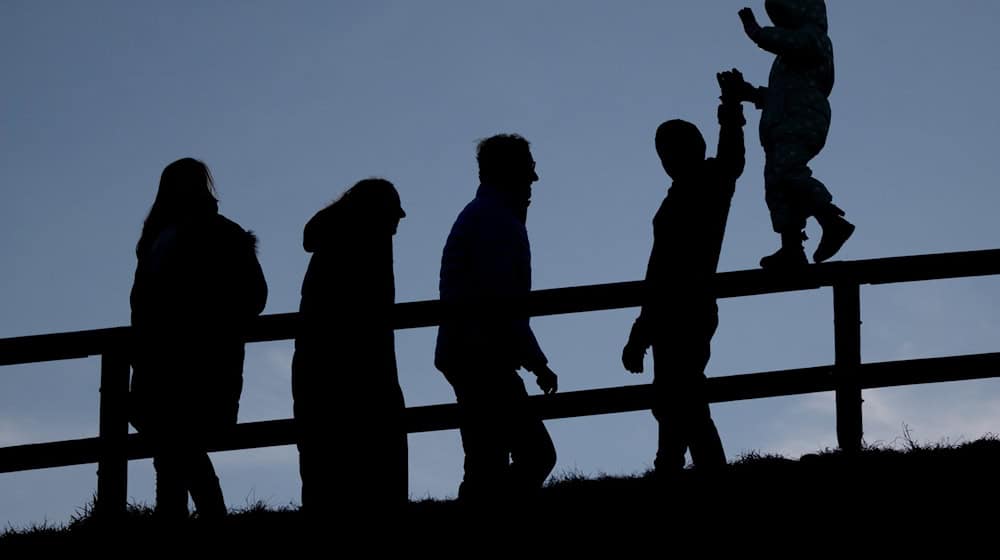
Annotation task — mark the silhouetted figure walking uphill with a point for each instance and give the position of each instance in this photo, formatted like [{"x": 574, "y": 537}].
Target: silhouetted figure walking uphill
[
  {"x": 679, "y": 314},
  {"x": 794, "y": 126},
  {"x": 482, "y": 340},
  {"x": 197, "y": 285},
  {"x": 348, "y": 403}
]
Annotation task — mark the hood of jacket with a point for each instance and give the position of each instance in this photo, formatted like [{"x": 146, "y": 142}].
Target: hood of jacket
[
  {"x": 323, "y": 229},
  {"x": 793, "y": 14}
]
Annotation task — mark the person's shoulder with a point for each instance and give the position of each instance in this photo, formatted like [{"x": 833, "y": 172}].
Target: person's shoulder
[
  {"x": 717, "y": 174},
  {"x": 164, "y": 243},
  {"x": 224, "y": 224},
  {"x": 715, "y": 168},
  {"x": 477, "y": 211},
  {"x": 230, "y": 231}
]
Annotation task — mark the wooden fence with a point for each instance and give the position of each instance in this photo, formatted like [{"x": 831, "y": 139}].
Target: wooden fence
[{"x": 847, "y": 376}]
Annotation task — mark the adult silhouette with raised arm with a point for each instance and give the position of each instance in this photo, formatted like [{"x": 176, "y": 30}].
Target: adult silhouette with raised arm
[
  {"x": 485, "y": 335},
  {"x": 679, "y": 312},
  {"x": 794, "y": 123},
  {"x": 348, "y": 403},
  {"x": 197, "y": 286}
]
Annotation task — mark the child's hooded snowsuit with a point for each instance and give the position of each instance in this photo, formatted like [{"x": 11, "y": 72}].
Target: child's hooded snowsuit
[{"x": 796, "y": 113}]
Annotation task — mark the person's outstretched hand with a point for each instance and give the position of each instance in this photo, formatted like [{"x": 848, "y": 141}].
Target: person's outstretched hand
[
  {"x": 547, "y": 379},
  {"x": 750, "y": 25},
  {"x": 733, "y": 86}
]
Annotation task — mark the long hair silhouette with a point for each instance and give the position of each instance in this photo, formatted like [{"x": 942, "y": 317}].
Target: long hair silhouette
[{"x": 186, "y": 191}]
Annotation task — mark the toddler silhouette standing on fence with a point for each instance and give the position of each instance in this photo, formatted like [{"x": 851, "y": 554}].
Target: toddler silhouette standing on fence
[{"x": 794, "y": 124}]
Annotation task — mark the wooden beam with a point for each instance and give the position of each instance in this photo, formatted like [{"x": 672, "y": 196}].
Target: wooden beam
[
  {"x": 563, "y": 405},
  {"x": 283, "y": 326}
]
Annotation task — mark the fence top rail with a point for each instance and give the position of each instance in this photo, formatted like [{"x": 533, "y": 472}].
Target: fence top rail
[{"x": 282, "y": 326}]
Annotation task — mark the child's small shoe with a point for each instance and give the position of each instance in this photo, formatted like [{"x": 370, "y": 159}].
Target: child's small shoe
[
  {"x": 836, "y": 231},
  {"x": 785, "y": 258}
]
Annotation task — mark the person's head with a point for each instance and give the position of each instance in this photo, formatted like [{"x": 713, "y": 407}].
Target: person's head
[
  {"x": 367, "y": 211},
  {"x": 372, "y": 204},
  {"x": 186, "y": 192},
  {"x": 792, "y": 14},
  {"x": 681, "y": 148},
  {"x": 505, "y": 162}
]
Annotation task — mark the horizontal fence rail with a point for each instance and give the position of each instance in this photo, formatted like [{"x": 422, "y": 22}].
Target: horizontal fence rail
[
  {"x": 847, "y": 377},
  {"x": 592, "y": 402},
  {"x": 557, "y": 301}
]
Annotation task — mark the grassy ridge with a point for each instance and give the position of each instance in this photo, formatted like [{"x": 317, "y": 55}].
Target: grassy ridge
[{"x": 881, "y": 487}]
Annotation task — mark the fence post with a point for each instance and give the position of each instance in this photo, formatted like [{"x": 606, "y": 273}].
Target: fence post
[
  {"x": 112, "y": 467},
  {"x": 847, "y": 358}
]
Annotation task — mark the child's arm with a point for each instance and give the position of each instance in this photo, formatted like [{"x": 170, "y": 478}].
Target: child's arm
[
  {"x": 756, "y": 95},
  {"x": 731, "y": 153},
  {"x": 780, "y": 41},
  {"x": 739, "y": 89}
]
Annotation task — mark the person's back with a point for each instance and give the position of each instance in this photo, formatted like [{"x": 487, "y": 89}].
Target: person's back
[
  {"x": 196, "y": 288},
  {"x": 486, "y": 261},
  {"x": 348, "y": 291}
]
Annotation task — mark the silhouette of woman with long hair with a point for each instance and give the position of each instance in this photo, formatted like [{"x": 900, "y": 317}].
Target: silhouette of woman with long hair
[
  {"x": 348, "y": 403},
  {"x": 197, "y": 285}
]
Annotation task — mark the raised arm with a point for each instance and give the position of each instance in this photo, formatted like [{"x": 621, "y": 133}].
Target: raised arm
[{"x": 731, "y": 153}]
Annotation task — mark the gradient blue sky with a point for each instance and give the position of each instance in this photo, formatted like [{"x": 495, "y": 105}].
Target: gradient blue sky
[{"x": 291, "y": 102}]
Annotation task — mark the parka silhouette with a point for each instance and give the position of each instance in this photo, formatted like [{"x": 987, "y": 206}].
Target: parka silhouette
[
  {"x": 348, "y": 402},
  {"x": 197, "y": 285}
]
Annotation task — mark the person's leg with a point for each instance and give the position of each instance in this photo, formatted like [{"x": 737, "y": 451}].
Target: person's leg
[
  {"x": 703, "y": 436},
  {"x": 786, "y": 177},
  {"x": 836, "y": 231},
  {"x": 486, "y": 456},
  {"x": 314, "y": 431},
  {"x": 310, "y": 472},
  {"x": 667, "y": 409},
  {"x": 793, "y": 194},
  {"x": 322, "y": 452},
  {"x": 533, "y": 455},
  {"x": 682, "y": 408},
  {"x": 380, "y": 469},
  {"x": 706, "y": 445},
  {"x": 204, "y": 485},
  {"x": 171, "y": 493}
]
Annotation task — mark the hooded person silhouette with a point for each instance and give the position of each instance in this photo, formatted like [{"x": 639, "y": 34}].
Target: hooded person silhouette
[
  {"x": 794, "y": 124},
  {"x": 348, "y": 404}
]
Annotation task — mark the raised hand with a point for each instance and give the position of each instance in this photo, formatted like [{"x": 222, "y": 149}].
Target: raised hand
[
  {"x": 733, "y": 87},
  {"x": 750, "y": 25}
]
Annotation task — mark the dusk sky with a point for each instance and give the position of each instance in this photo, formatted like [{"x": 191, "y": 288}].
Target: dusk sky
[{"x": 290, "y": 103}]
